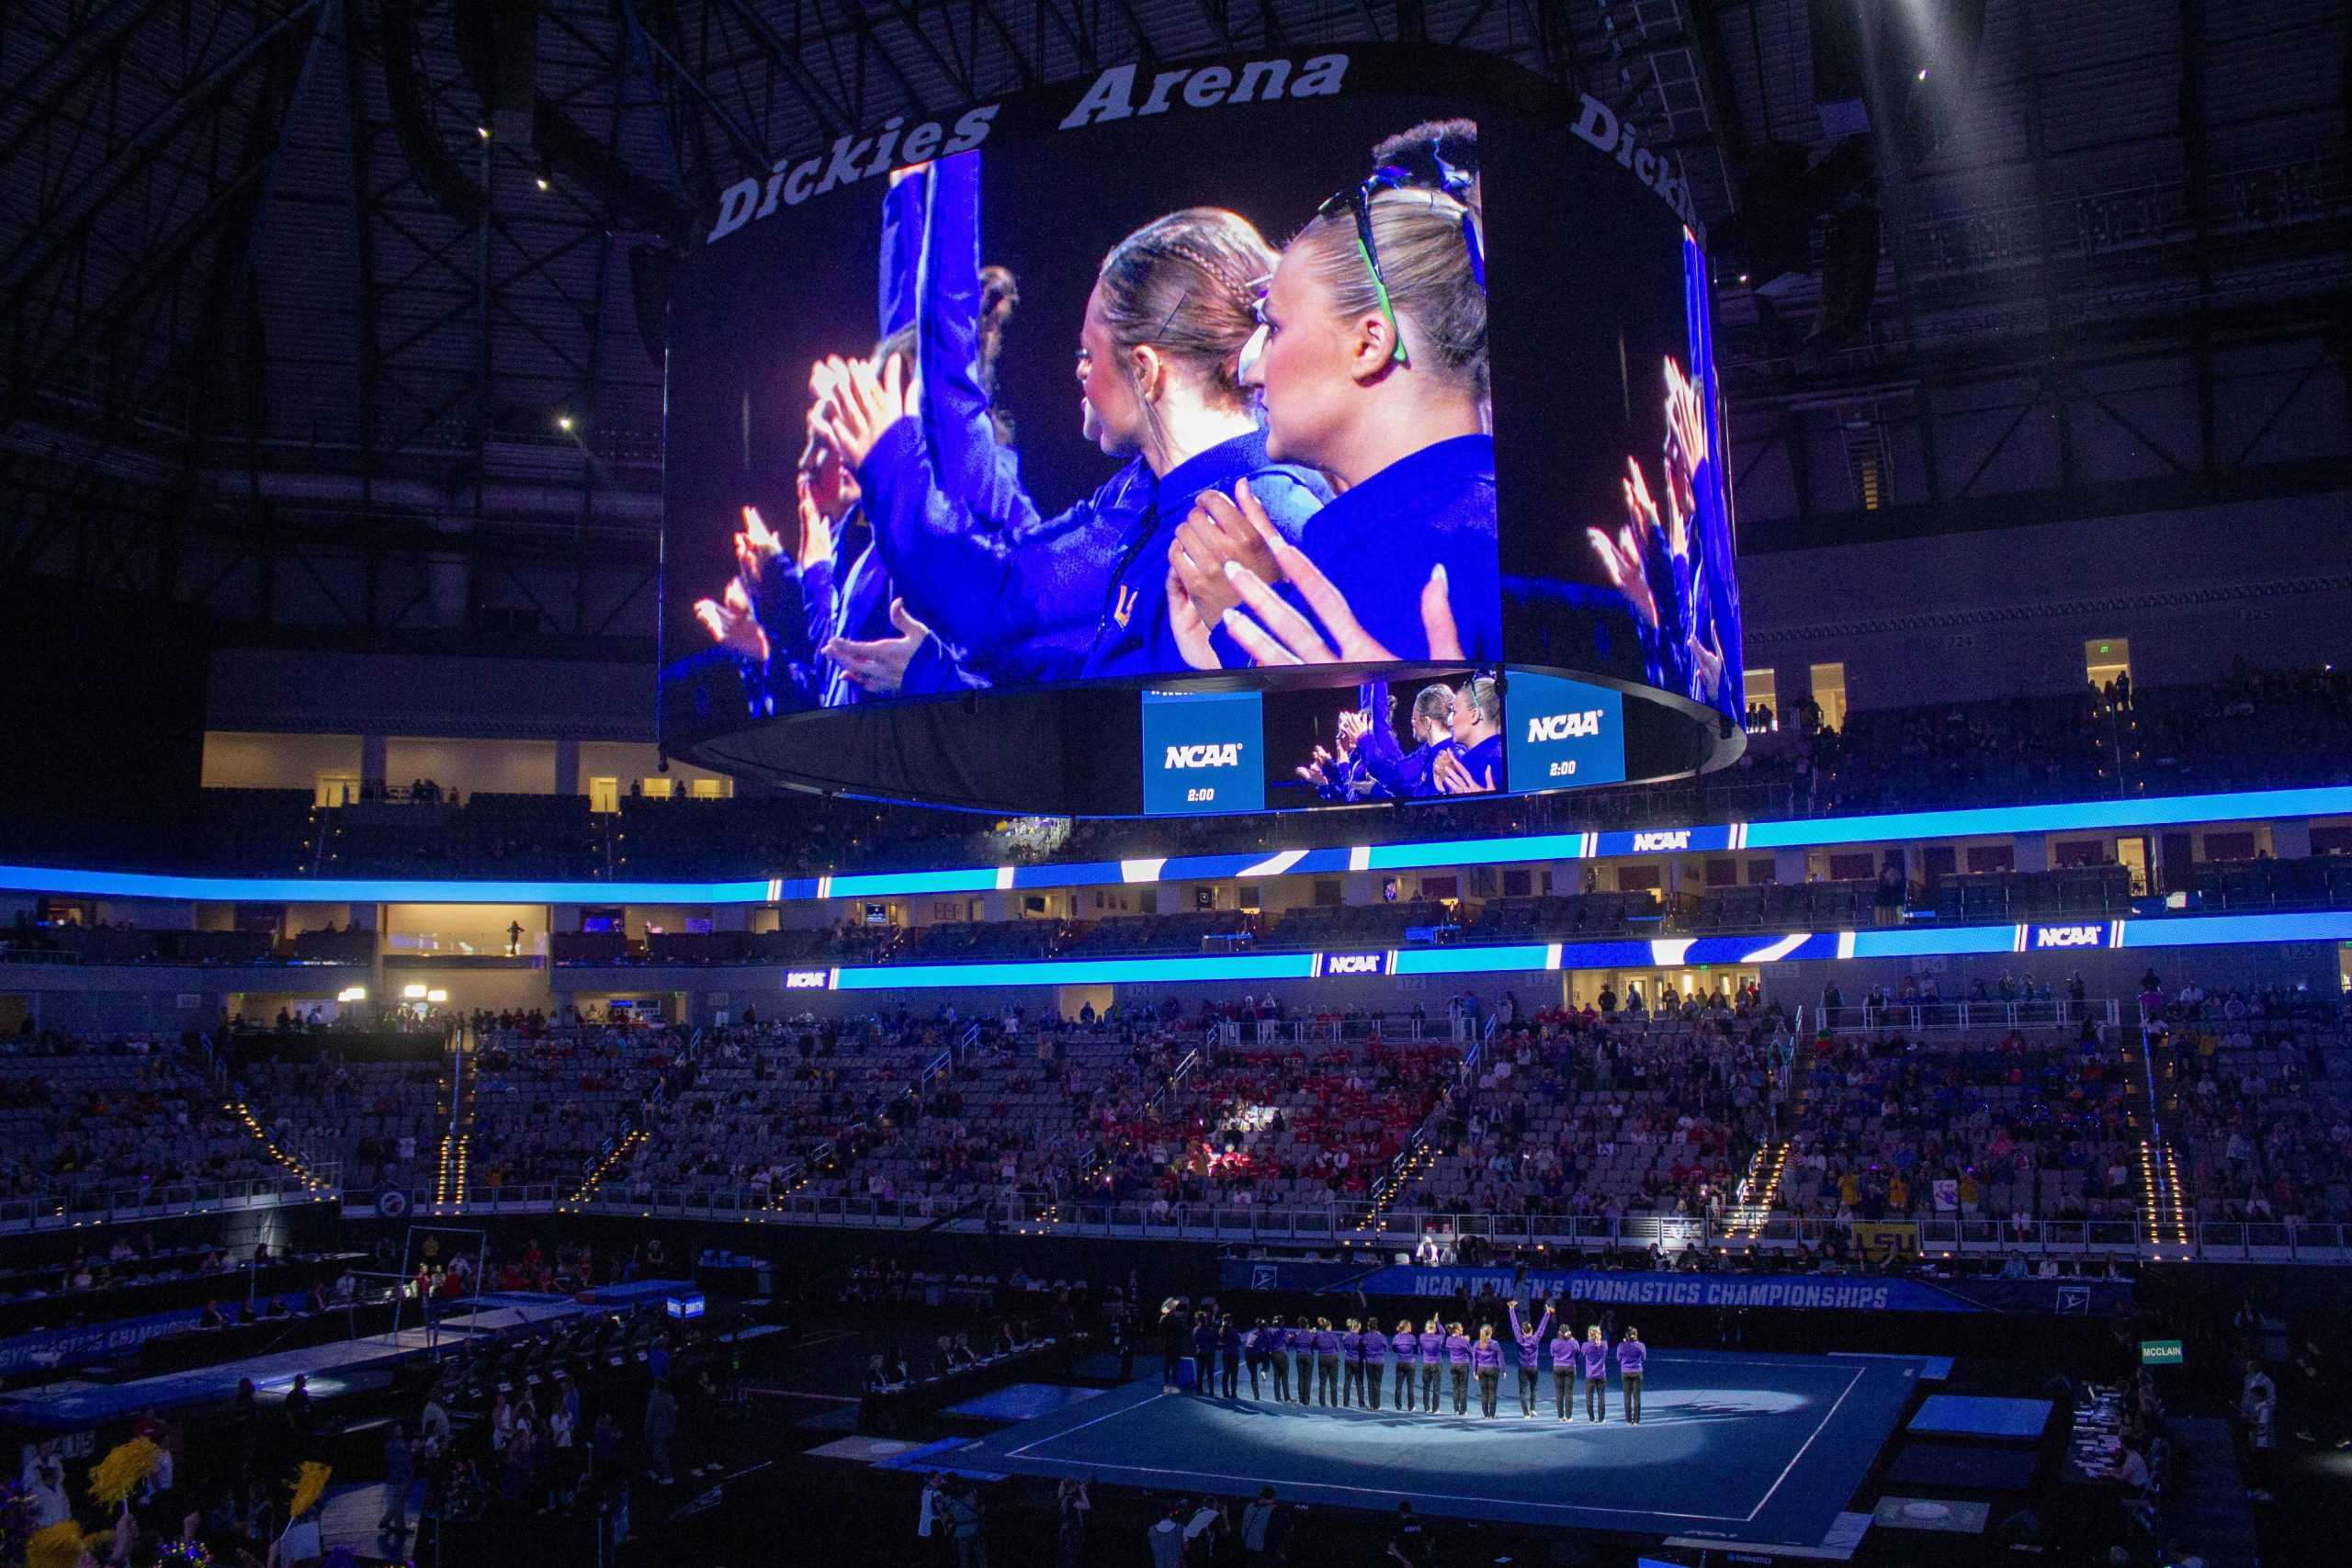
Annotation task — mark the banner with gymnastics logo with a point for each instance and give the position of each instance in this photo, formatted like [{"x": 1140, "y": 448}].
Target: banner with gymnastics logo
[{"x": 1632, "y": 1288}]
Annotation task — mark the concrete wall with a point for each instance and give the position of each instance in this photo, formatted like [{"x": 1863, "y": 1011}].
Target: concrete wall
[
  {"x": 248, "y": 760},
  {"x": 502, "y": 767},
  {"x": 1960, "y": 616}
]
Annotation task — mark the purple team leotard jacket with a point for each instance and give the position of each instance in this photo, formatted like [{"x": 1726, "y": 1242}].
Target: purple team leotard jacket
[
  {"x": 1596, "y": 1359},
  {"x": 1406, "y": 1345},
  {"x": 1376, "y": 1348},
  {"x": 1530, "y": 1340},
  {"x": 1457, "y": 1350},
  {"x": 1486, "y": 1355},
  {"x": 1631, "y": 1353}
]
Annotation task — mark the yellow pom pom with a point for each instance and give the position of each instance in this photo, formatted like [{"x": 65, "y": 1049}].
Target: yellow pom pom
[
  {"x": 119, "y": 1475},
  {"x": 59, "y": 1546},
  {"x": 310, "y": 1486}
]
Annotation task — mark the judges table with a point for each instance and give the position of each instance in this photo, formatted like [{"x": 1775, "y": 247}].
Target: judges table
[{"x": 890, "y": 1410}]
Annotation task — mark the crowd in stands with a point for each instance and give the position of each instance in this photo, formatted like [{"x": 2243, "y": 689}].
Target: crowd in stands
[
  {"x": 2258, "y": 1098},
  {"x": 137, "y": 1114},
  {"x": 2253, "y": 728}
]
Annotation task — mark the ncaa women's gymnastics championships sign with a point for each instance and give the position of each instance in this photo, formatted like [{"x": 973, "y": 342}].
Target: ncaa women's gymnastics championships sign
[
  {"x": 1393, "y": 379},
  {"x": 1609, "y": 1287}
]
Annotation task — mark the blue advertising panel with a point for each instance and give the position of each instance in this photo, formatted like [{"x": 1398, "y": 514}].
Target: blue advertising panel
[
  {"x": 1564, "y": 734},
  {"x": 1201, "y": 752}
]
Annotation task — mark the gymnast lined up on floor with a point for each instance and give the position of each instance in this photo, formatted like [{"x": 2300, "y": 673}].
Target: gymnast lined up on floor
[{"x": 1344, "y": 1369}]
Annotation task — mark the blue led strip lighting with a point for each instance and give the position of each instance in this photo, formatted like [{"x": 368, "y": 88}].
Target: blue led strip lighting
[
  {"x": 1077, "y": 972},
  {"x": 2078, "y": 816},
  {"x": 304, "y": 890},
  {"x": 2073, "y": 815},
  {"x": 1520, "y": 958},
  {"x": 1477, "y": 851},
  {"x": 2201, "y": 931}
]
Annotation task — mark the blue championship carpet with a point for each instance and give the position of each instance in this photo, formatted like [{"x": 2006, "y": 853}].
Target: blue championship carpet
[{"x": 1752, "y": 1447}]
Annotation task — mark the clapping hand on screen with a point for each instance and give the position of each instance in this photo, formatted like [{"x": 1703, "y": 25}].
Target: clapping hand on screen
[
  {"x": 1686, "y": 439},
  {"x": 863, "y": 404},
  {"x": 831, "y": 486},
  {"x": 816, "y": 544},
  {"x": 1352, "y": 726},
  {"x": 1706, "y": 661},
  {"x": 880, "y": 665},
  {"x": 1316, "y": 771},
  {"x": 1626, "y": 557},
  {"x": 731, "y": 625},
  {"x": 1453, "y": 776},
  {"x": 1191, "y": 630},
  {"x": 755, "y": 546},
  {"x": 1271, "y": 632},
  {"x": 1222, "y": 528}
]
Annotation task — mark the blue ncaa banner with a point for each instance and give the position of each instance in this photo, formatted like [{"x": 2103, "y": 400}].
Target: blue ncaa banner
[
  {"x": 1564, "y": 734},
  {"x": 1201, "y": 752}
]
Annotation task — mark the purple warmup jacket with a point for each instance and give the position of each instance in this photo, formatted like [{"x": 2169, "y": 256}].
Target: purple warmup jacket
[
  {"x": 1486, "y": 1355},
  {"x": 1630, "y": 1355},
  {"x": 1351, "y": 1345},
  {"x": 1432, "y": 1349},
  {"x": 1596, "y": 1359},
  {"x": 1326, "y": 1342},
  {"x": 1530, "y": 1353},
  {"x": 1376, "y": 1348},
  {"x": 1563, "y": 1354},
  {"x": 1406, "y": 1345},
  {"x": 1457, "y": 1350}
]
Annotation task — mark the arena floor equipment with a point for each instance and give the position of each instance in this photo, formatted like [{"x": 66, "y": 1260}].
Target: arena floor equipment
[{"x": 1749, "y": 1448}]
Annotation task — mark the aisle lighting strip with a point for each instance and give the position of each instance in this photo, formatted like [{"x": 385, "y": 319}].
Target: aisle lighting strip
[{"x": 2087, "y": 815}]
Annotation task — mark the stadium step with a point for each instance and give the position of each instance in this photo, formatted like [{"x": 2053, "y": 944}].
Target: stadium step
[
  {"x": 2164, "y": 1211},
  {"x": 1758, "y": 1190}
]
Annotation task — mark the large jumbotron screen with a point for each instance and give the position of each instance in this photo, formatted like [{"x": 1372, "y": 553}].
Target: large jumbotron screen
[{"x": 1365, "y": 400}]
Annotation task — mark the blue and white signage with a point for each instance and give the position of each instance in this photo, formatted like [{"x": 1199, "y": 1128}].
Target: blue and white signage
[
  {"x": 1564, "y": 734},
  {"x": 1363, "y": 965},
  {"x": 2069, "y": 935},
  {"x": 1201, "y": 752}
]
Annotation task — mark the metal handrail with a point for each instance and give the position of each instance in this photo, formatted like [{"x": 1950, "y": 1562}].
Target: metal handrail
[{"x": 61, "y": 1210}]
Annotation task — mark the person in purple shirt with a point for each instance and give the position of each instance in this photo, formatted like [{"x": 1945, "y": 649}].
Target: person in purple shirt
[
  {"x": 1432, "y": 1358},
  {"x": 1375, "y": 1362},
  {"x": 1275, "y": 1343},
  {"x": 1204, "y": 1355},
  {"x": 1407, "y": 1346},
  {"x": 1326, "y": 1362},
  {"x": 1487, "y": 1356},
  {"x": 1457, "y": 1356},
  {"x": 1352, "y": 1359},
  {"x": 1630, "y": 1357},
  {"x": 1595, "y": 1356},
  {"x": 1228, "y": 1355},
  {"x": 1530, "y": 1352},
  {"x": 1253, "y": 1350},
  {"x": 1563, "y": 1373},
  {"x": 1302, "y": 1351}
]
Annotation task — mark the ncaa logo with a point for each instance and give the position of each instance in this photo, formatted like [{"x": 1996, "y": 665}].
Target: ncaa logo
[
  {"x": 1352, "y": 964},
  {"x": 1228, "y": 755},
  {"x": 2069, "y": 936},
  {"x": 1646, "y": 844},
  {"x": 1577, "y": 725}
]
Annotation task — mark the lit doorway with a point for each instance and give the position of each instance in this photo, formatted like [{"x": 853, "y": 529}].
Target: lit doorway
[
  {"x": 1829, "y": 694},
  {"x": 2106, "y": 658},
  {"x": 2133, "y": 855}
]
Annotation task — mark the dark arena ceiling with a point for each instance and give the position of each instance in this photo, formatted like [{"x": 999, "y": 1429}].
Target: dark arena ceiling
[{"x": 296, "y": 296}]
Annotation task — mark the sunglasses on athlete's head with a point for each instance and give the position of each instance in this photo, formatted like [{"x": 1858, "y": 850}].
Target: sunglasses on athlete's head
[{"x": 1357, "y": 199}]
